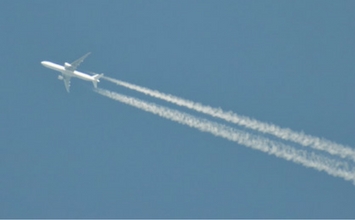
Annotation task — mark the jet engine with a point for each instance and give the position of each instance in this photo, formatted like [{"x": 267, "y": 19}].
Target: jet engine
[
  {"x": 67, "y": 65},
  {"x": 60, "y": 77}
]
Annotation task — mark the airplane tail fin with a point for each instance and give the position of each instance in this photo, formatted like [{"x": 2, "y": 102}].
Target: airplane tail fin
[{"x": 97, "y": 79}]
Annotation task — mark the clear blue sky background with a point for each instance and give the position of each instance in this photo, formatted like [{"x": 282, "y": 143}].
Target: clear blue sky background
[{"x": 81, "y": 155}]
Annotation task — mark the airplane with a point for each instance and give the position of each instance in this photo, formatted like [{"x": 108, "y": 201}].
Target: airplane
[{"x": 69, "y": 70}]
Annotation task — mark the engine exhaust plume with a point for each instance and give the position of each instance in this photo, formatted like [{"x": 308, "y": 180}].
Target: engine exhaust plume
[
  {"x": 267, "y": 128},
  {"x": 332, "y": 166}
]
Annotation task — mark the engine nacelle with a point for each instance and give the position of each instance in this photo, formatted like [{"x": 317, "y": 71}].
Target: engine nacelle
[
  {"x": 67, "y": 65},
  {"x": 60, "y": 77}
]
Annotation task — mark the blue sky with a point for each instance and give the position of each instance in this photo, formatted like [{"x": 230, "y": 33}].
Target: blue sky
[{"x": 81, "y": 155}]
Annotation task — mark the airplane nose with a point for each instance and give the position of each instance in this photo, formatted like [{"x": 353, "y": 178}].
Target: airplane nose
[{"x": 45, "y": 63}]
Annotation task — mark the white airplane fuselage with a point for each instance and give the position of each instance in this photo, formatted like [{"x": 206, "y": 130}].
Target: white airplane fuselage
[
  {"x": 69, "y": 70},
  {"x": 69, "y": 73}
]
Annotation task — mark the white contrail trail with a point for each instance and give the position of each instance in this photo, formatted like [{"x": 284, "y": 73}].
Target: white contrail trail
[
  {"x": 331, "y": 166},
  {"x": 283, "y": 133}
]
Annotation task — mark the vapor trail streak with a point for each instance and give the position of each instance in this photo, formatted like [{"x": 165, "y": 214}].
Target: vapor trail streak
[
  {"x": 331, "y": 166},
  {"x": 283, "y": 133}
]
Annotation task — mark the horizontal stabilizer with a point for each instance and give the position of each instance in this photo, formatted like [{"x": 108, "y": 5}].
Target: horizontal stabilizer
[
  {"x": 98, "y": 76},
  {"x": 97, "y": 79}
]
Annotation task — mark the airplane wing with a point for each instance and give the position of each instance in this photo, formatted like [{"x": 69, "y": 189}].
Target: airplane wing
[
  {"x": 66, "y": 80},
  {"x": 77, "y": 62}
]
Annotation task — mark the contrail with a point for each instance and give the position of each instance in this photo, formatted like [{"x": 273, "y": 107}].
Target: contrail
[
  {"x": 331, "y": 166},
  {"x": 283, "y": 133}
]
